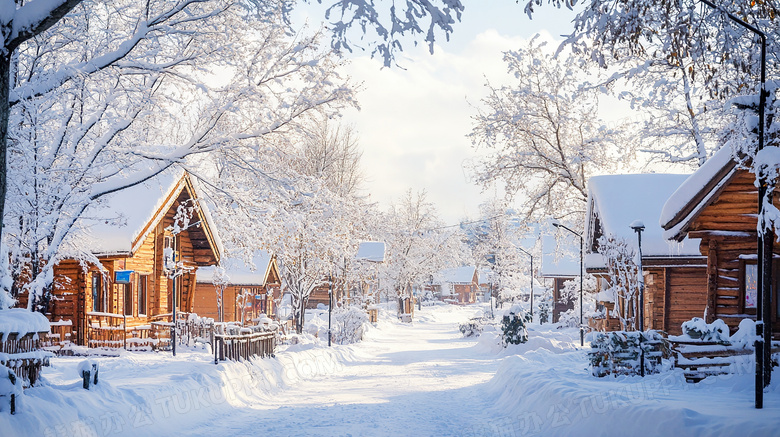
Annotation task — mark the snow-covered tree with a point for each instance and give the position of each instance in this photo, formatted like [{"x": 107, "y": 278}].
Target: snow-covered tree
[
  {"x": 157, "y": 104},
  {"x": 683, "y": 59},
  {"x": 417, "y": 245},
  {"x": 542, "y": 135},
  {"x": 331, "y": 152},
  {"x": 494, "y": 242},
  {"x": 624, "y": 279}
]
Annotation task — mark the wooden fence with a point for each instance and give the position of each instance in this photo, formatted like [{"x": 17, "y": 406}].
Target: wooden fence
[
  {"x": 243, "y": 345},
  {"x": 24, "y": 355}
]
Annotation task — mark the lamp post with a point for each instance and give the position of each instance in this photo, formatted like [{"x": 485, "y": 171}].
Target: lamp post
[
  {"x": 532, "y": 279},
  {"x": 582, "y": 271},
  {"x": 638, "y": 227},
  {"x": 765, "y": 234},
  {"x": 330, "y": 307}
]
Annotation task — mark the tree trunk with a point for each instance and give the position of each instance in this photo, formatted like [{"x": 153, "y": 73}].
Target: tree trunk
[{"x": 5, "y": 87}]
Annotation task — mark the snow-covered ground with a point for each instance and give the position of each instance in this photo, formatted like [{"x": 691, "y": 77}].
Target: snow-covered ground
[{"x": 403, "y": 379}]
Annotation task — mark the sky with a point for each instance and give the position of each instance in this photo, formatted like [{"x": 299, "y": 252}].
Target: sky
[{"x": 414, "y": 118}]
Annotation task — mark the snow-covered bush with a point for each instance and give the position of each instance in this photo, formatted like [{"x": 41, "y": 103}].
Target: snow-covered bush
[
  {"x": 544, "y": 312},
  {"x": 513, "y": 326},
  {"x": 473, "y": 327},
  {"x": 349, "y": 325},
  {"x": 570, "y": 319},
  {"x": 619, "y": 352},
  {"x": 698, "y": 329}
]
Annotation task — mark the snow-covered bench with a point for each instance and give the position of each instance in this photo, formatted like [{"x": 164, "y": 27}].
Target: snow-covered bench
[{"x": 700, "y": 359}]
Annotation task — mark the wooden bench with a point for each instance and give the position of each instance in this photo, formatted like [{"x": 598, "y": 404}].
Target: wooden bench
[{"x": 700, "y": 359}]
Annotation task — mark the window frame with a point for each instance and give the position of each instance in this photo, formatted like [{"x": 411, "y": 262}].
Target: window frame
[{"x": 142, "y": 293}]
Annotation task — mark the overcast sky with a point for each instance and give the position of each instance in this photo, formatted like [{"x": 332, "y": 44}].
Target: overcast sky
[{"x": 413, "y": 121}]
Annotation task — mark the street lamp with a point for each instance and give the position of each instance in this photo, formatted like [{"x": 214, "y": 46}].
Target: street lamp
[
  {"x": 330, "y": 307},
  {"x": 638, "y": 227},
  {"x": 765, "y": 236},
  {"x": 582, "y": 271},
  {"x": 532, "y": 279}
]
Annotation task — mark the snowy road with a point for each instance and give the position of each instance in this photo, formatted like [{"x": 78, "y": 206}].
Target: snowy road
[{"x": 420, "y": 379}]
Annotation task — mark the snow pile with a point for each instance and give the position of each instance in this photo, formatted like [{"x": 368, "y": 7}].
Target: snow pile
[
  {"x": 745, "y": 337},
  {"x": 22, "y": 321},
  {"x": 157, "y": 394}
]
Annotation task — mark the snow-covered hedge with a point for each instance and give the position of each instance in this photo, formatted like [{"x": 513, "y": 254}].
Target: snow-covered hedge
[
  {"x": 619, "y": 353},
  {"x": 513, "y": 326},
  {"x": 698, "y": 329}
]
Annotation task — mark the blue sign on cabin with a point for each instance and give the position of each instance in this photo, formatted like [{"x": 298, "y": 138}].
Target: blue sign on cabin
[{"x": 122, "y": 276}]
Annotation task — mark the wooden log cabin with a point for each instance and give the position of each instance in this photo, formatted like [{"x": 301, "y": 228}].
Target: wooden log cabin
[
  {"x": 130, "y": 288},
  {"x": 718, "y": 205},
  {"x": 675, "y": 273},
  {"x": 252, "y": 290}
]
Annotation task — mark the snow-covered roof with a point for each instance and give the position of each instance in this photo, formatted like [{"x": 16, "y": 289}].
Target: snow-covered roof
[
  {"x": 617, "y": 201},
  {"x": 457, "y": 275},
  {"x": 119, "y": 222},
  {"x": 696, "y": 192},
  {"x": 372, "y": 251},
  {"x": 560, "y": 259},
  {"x": 238, "y": 272}
]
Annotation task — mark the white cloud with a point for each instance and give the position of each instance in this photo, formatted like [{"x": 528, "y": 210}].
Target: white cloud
[{"x": 414, "y": 121}]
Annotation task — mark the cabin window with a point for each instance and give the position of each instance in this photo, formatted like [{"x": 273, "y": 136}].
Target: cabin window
[
  {"x": 98, "y": 295},
  {"x": 141, "y": 291},
  {"x": 127, "y": 297},
  {"x": 751, "y": 286}
]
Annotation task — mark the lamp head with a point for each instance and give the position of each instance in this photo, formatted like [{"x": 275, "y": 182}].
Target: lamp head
[{"x": 637, "y": 226}]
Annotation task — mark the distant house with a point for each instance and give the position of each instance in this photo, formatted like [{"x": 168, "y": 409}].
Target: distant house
[
  {"x": 457, "y": 285},
  {"x": 718, "y": 204},
  {"x": 131, "y": 287},
  {"x": 250, "y": 291},
  {"x": 560, "y": 263},
  {"x": 675, "y": 272}
]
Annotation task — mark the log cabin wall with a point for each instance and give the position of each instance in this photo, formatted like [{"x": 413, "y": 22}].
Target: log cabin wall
[
  {"x": 727, "y": 228},
  {"x": 685, "y": 295},
  {"x": 673, "y": 295}
]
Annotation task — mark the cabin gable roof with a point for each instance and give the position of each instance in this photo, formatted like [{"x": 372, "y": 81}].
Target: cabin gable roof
[
  {"x": 697, "y": 192},
  {"x": 136, "y": 211}
]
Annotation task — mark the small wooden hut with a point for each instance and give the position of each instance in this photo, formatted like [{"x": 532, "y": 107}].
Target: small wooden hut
[
  {"x": 251, "y": 290},
  {"x": 718, "y": 205},
  {"x": 675, "y": 273}
]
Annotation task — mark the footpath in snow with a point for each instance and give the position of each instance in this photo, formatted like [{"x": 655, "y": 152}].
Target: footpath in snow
[{"x": 403, "y": 379}]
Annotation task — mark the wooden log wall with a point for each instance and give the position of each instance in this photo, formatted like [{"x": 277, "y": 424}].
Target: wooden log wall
[{"x": 727, "y": 228}]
